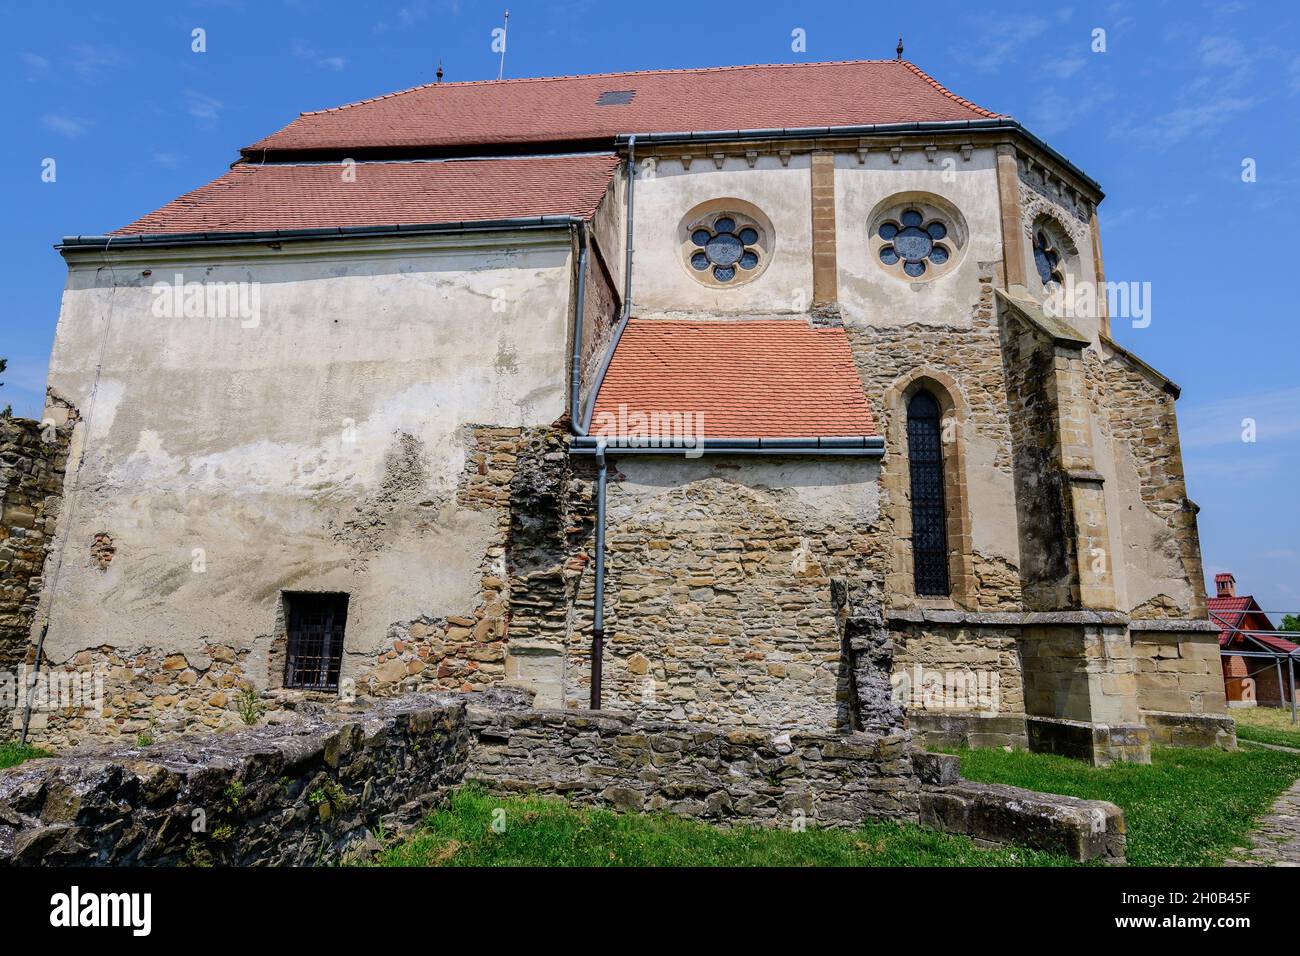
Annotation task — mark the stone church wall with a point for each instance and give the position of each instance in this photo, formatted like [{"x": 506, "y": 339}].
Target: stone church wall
[
  {"x": 33, "y": 458},
  {"x": 719, "y": 603}
]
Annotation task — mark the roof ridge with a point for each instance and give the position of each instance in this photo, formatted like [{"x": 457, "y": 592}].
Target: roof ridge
[
  {"x": 961, "y": 100},
  {"x": 589, "y": 76}
]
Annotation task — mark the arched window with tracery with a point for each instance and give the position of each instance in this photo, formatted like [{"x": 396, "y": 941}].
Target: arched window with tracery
[{"x": 929, "y": 513}]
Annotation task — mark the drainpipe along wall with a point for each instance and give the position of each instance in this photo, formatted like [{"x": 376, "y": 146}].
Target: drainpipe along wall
[{"x": 598, "y": 622}]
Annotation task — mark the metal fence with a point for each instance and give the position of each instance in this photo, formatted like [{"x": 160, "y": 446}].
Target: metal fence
[{"x": 1261, "y": 652}]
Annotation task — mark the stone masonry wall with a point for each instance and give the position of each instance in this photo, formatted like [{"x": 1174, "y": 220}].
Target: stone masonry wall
[
  {"x": 1179, "y": 671},
  {"x": 718, "y": 774},
  {"x": 303, "y": 793},
  {"x": 1143, "y": 417},
  {"x": 968, "y": 356},
  {"x": 1042, "y": 499},
  {"x": 719, "y": 604},
  {"x": 32, "y": 464}
]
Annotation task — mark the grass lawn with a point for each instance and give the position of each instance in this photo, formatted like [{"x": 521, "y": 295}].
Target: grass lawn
[
  {"x": 11, "y": 754},
  {"x": 547, "y": 832},
  {"x": 1267, "y": 725},
  {"x": 1188, "y": 808}
]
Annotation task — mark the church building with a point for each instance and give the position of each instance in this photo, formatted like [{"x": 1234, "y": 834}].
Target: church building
[{"x": 778, "y": 397}]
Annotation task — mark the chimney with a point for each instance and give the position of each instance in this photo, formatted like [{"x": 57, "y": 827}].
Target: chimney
[{"x": 1225, "y": 584}]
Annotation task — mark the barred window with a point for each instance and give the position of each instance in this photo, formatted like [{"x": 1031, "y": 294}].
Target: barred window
[
  {"x": 315, "y": 649},
  {"x": 929, "y": 514}
]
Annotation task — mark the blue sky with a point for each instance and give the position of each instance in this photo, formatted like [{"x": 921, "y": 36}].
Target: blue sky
[{"x": 1163, "y": 119}]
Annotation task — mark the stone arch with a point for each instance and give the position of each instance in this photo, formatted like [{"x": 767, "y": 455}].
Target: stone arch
[{"x": 954, "y": 413}]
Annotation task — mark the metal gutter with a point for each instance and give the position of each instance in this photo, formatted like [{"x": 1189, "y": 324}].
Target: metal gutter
[
  {"x": 871, "y": 129},
  {"x": 585, "y": 426},
  {"x": 864, "y": 446},
  {"x": 150, "y": 240},
  {"x": 575, "y": 370}
]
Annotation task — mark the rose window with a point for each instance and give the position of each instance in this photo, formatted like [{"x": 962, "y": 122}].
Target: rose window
[
  {"x": 723, "y": 248},
  {"x": 912, "y": 241}
]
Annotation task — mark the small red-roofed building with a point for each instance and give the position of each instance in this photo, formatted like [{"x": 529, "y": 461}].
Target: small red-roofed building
[{"x": 1243, "y": 626}]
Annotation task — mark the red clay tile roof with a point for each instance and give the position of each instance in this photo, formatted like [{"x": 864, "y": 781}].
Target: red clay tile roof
[
  {"x": 750, "y": 378},
  {"x": 564, "y": 108},
  {"x": 1231, "y": 613},
  {"x": 295, "y": 196}
]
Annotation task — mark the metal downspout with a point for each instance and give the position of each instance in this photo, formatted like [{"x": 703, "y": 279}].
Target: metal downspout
[
  {"x": 598, "y": 618},
  {"x": 627, "y": 263},
  {"x": 598, "y": 629}
]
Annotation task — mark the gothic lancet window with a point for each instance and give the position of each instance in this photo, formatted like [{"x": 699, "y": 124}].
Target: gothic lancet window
[
  {"x": 1047, "y": 259},
  {"x": 929, "y": 514}
]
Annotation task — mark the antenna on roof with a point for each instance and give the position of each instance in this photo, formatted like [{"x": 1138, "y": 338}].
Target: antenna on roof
[
  {"x": 899, "y": 51},
  {"x": 502, "y": 68},
  {"x": 439, "y": 73}
]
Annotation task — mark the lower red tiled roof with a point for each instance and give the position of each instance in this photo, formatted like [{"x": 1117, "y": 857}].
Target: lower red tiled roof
[
  {"x": 252, "y": 197},
  {"x": 750, "y": 378}
]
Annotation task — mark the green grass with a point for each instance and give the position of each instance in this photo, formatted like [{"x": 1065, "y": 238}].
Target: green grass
[
  {"x": 547, "y": 832},
  {"x": 1266, "y": 725},
  {"x": 1188, "y": 808},
  {"x": 12, "y": 754}
]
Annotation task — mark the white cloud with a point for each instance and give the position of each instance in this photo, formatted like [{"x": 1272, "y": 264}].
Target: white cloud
[
  {"x": 69, "y": 126},
  {"x": 998, "y": 42},
  {"x": 1222, "y": 51},
  {"x": 93, "y": 60},
  {"x": 202, "y": 107},
  {"x": 1276, "y": 415},
  {"x": 305, "y": 52}
]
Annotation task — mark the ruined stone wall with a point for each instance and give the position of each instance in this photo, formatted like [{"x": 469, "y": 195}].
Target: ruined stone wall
[
  {"x": 33, "y": 459},
  {"x": 304, "y": 793},
  {"x": 720, "y": 774},
  {"x": 719, "y": 604}
]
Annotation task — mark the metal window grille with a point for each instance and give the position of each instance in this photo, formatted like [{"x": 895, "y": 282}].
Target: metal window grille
[
  {"x": 315, "y": 650},
  {"x": 929, "y": 514}
]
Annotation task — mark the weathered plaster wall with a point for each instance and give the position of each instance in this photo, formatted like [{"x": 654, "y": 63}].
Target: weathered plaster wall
[
  {"x": 319, "y": 448},
  {"x": 665, "y": 193},
  {"x": 877, "y": 296}
]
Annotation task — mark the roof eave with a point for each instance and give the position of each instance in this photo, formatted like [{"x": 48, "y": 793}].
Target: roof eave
[
  {"x": 863, "y": 446},
  {"x": 1003, "y": 123},
  {"x": 171, "y": 239}
]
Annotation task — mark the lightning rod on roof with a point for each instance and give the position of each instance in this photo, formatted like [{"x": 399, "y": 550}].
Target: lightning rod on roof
[
  {"x": 504, "y": 29},
  {"x": 899, "y": 51}
]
